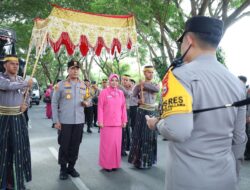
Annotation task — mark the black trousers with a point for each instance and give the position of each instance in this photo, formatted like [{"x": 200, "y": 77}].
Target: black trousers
[
  {"x": 132, "y": 116},
  {"x": 88, "y": 116},
  {"x": 69, "y": 139},
  {"x": 126, "y": 137},
  {"x": 95, "y": 113},
  {"x": 247, "y": 151}
]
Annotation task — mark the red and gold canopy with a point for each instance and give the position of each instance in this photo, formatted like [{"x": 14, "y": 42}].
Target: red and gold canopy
[{"x": 84, "y": 31}]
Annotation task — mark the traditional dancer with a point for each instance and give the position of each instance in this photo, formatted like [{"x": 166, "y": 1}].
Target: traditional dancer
[
  {"x": 15, "y": 162},
  {"x": 143, "y": 150}
]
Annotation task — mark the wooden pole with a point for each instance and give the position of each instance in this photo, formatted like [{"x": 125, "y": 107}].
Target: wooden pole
[
  {"x": 138, "y": 61},
  {"x": 26, "y": 61},
  {"x": 139, "y": 69},
  {"x": 35, "y": 65}
]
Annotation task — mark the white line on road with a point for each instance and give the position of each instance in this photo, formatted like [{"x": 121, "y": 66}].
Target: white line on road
[{"x": 77, "y": 181}]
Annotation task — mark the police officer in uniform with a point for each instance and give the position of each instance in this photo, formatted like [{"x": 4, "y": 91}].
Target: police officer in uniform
[
  {"x": 247, "y": 151},
  {"x": 88, "y": 109},
  {"x": 204, "y": 149},
  {"x": 96, "y": 91},
  {"x": 125, "y": 87},
  {"x": 104, "y": 83},
  {"x": 68, "y": 115}
]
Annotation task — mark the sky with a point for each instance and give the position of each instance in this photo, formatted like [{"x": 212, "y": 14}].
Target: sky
[{"x": 236, "y": 45}]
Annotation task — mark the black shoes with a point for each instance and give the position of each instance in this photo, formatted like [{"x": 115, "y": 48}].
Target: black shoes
[
  {"x": 89, "y": 130},
  {"x": 12, "y": 188},
  {"x": 124, "y": 153},
  {"x": 63, "y": 175},
  {"x": 73, "y": 173},
  {"x": 247, "y": 158},
  {"x": 110, "y": 170}
]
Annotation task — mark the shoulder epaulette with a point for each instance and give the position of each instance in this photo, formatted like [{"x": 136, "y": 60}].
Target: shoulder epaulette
[{"x": 56, "y": 87}]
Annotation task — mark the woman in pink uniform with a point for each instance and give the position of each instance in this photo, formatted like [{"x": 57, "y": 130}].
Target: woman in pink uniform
[
  {"x": 48, "y": 104},
  {"x": 112, "y": 116}
]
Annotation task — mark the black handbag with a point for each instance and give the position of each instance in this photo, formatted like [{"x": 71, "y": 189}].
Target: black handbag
[{"x": 47, "y": 99}]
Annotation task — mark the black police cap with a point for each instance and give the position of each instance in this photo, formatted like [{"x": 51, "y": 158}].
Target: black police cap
[
  {"x": 243, "y": 78},
  {"x": 205, "y": 25},
  {"x": 73, "y": 63}
]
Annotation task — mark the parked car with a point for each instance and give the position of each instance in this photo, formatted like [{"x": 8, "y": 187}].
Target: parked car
[{"x": 35, "y": 92}]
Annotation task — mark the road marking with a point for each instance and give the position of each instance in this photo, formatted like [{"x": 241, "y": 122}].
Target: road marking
[
  {"x": 38, "y": 140},
  {"x": 77, "y": 181}
]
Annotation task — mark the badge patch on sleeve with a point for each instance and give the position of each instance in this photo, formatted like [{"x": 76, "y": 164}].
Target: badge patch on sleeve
[{"x": 175, "y": 98}]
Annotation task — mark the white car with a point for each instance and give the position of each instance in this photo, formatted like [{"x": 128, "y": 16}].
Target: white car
[{"x": 35, "y": 91}]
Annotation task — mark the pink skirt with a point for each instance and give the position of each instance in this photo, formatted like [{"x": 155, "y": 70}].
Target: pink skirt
[
  {"x": 110, "y": 147},
  {"x": 48, "y": 110}
]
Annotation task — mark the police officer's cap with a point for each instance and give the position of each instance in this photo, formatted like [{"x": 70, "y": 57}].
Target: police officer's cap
[
  {"x": 205, "y": 25},
  {"x": 132, "y": 80},
  {"x": 243, "y": 78},
  {"x": 73, "y": 63}
]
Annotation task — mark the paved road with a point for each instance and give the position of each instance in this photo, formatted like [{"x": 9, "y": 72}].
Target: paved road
[{"x": 45, "y": 169}]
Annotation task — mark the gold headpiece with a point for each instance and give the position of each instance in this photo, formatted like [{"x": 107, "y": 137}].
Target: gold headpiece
[
  {"x": 10, "y": 59},
  {"x": 148, "y": 69}
]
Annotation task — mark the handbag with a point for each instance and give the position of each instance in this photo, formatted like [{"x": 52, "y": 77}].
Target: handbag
[{"x": 47, "y": 99}]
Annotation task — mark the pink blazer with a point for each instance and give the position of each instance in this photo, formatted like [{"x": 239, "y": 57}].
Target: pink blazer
[{"x": 112, "y": 107}]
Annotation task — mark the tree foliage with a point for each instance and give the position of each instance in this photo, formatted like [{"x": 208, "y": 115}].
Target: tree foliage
[{"x": 159, "y": 24}]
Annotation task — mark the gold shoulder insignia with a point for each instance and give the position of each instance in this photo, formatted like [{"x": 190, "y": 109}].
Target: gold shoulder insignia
[{"x": 56, "y": 87}]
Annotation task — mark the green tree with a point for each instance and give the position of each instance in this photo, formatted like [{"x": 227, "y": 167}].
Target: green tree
[
  {"x": 112, "y": 66},
  {"x": 159, "y": 22}
]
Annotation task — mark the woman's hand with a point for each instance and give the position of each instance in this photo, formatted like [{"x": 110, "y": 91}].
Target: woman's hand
[
  {"x": 100, "y": 125},
  {"x": 124, "y": 125}
]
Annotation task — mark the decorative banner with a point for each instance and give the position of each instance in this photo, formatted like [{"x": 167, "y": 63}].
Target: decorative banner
[
  {"x": 75, "y": 29},
  {"x": 175, "y": 98}
]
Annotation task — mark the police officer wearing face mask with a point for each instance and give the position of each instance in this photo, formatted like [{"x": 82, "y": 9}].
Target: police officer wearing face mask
[{"x": 206, "y": 148}]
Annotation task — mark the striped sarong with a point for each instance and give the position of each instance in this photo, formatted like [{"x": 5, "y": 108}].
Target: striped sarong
[
  {"x": 15, "y": 159},
  {"x": 143, "y": 152}
]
